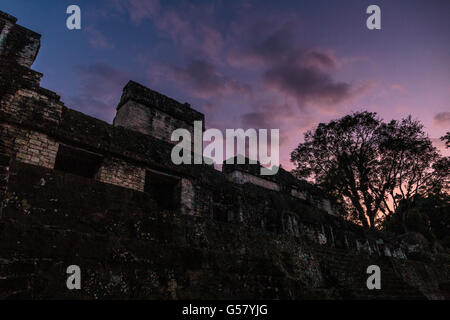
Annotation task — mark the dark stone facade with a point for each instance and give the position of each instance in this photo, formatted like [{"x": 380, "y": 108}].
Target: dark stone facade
[
  {"x": 77, "y": 190},
  {"x": 149, "y": 112}
]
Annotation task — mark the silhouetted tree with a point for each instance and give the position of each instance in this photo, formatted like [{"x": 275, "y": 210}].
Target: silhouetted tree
[
  {"x": 427, "y": 215},
  {"x": 446, "y": 138},
  {"x": 368, "y": 166}
]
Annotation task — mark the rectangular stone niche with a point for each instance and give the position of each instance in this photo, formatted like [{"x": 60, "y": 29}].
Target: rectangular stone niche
[
  {"x": 164, "y": 188},
  {"x": 77, "y": 161}
]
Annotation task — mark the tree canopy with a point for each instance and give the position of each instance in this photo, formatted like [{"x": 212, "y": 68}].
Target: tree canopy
[{"x": 370, "y": 167}]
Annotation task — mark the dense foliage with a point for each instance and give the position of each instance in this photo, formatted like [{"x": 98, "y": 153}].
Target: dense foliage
[{"x": 372, "y": 169}]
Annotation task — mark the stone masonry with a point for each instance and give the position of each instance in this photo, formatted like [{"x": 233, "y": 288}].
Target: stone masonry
[{"x": 121, "y": 173}]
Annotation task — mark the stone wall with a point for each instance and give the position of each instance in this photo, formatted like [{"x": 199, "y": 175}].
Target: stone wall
[
  {"x": 299, "y": 194},
  {"x": 121, "y": 173},
  {"x": 127, "y": 249},
  {"x": 144, "y": 110},
  {"x": 243, "y": 177},
  {"x": 6, "y": 152},
  {"x": 242, "y": 171},
  {"x": 36, "y": 148},
  {"x": 187, "y": 197},
  {"x": 31, "y": 105},
  {"x": 137, "y": 117},
  {"x": 16, "y": 42}
]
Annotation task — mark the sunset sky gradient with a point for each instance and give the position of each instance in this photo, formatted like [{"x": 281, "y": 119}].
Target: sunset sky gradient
[{"x": 251, "y": 64}]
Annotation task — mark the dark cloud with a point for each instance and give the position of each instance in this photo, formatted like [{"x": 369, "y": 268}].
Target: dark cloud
[
  {"x": 285, "y": 67},
  {"x": 206, "y": 82},
  {"x": 257, "y": 120},
  {"x": 303, "y": 74},
  {"x": 262, "y": 47},
  {"x": 320, "y": 60},
  {"x": 264, "y": 120},
  {"x": 307, "y": 84},
  {"x": 276, "y": 45},
  {"x": 442, "y": 119},
  {"x": 269, "y": 116}
]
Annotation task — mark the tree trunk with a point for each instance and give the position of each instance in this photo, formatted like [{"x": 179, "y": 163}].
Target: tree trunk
[
  {"x": 403, "y": 221},
  {"x": 363, "y": 219},
  {"x": 372, "y": 221}
]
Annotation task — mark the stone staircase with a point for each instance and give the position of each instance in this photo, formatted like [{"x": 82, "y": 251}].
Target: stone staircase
[{"x": 347, "y": 273}]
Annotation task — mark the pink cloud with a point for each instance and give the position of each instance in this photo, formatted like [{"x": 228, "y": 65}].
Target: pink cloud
[
  {"x": 305, "y": 75},
  {"x": 442, "y": 119},
  {"x": 398, "y": 87}
]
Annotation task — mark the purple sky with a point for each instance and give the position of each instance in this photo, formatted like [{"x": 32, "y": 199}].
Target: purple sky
[{"x": 260, "y": 64}]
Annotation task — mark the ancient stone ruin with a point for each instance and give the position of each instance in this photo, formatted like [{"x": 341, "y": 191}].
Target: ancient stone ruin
[{"x": 75, "y": 190}]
